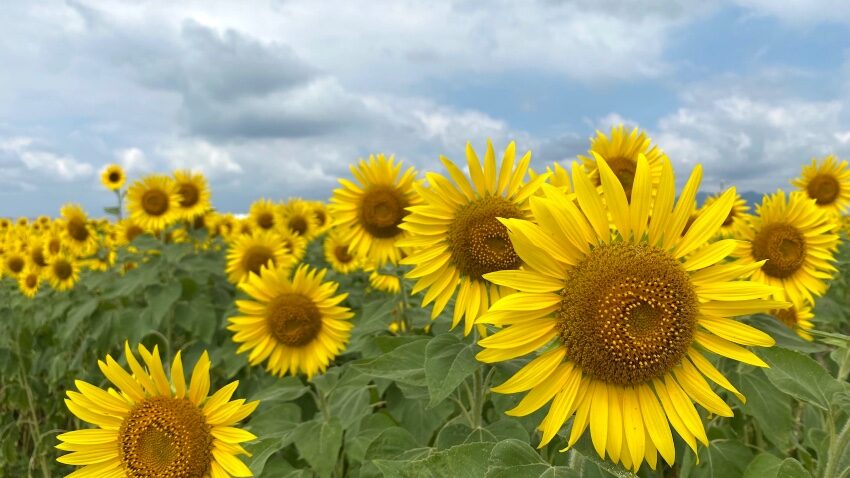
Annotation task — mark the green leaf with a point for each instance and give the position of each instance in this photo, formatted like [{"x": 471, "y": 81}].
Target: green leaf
[
  {"x": 800, "y": 376},
  {"x": 112, "y": 210},
  {"x": 448, "y": 362},
  {"x": 722, "y": 458},
  {"x": 76, "y": 317},
  {"x": 319, "y": 443},
  {"x": 404, "y": 363},
  {"x": 768, "y": 405},
  {"x": 469, "y": 460},
  {"x": 283, "y": 390},
  {"x": 766, "y": 465},
  {"x": 161, "y": 300},
  {"x": 391, "y": 443},
  {"x": 516, "y": 459}
]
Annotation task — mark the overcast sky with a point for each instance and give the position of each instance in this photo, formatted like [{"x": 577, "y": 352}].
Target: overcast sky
[{"x": 277, "y": 99}]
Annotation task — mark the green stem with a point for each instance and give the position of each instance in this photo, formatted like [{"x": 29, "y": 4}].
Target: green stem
[
  {"x": 405, "y": 301},
  {"x": 321, "y": 403},
  {"x": 844, "y": 366},
  {"x": 120, "y": 204},
  {"x": 836, "y": 446}
]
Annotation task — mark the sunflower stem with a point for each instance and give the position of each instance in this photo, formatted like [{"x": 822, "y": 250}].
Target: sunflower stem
[
  {"x": 120, "y": 203},
  {"x": 844, "y": 366},
  {"x": 837, "y": 444}
]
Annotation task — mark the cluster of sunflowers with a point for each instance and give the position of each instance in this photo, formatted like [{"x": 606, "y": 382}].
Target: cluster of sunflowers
[{"x": 617, "y": 287}]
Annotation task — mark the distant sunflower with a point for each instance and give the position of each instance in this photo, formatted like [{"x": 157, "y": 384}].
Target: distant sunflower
[
  {"x": 156, "y": 427},
  {"x": 558, "y": 177},
  {"x": 113, "y": 177},
  {"x": 251, "y": 253},
  {"x": 621, "y": 152},
  {"x": 52, "y": 244},
  {"x": 323, "y": 219},
  {"x": 623, "y": 318},
  {"x": 153, "y": 202},
  {"x": 828, "y": 183},
  {"x": 798, "y": 239},
  {"x": 300, "y": 218},
  {"x": 5, "y": 224},
  {"x": 127, "y": 231},
  {"x": 798, "y": 319},
  {"x": 22, "y": 221},
  {"x": 35, "y": 249},
  {"x": 14, "y": 260},
  {"x": 28, "y": 282},
  {"x": 63, "y": 271},
  {"x": 295, "y": 245},
  {"x": 264, "y": 214},
  {"x": 456, "y": 235},
  {"x": 384, "y": 282},
  {"x": 737, "y": 217},
  {"x": 338, "y": 253},
  {"x": 372, "y": 209},
  {"x": 78, "y": 233},
  {"x": 194, "y": 194},
  {"x": 295, "y": 325}
]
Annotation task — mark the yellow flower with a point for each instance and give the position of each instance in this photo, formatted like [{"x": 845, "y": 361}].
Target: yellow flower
[
  {"x": 456, "y": 236},
  {"x": 797, "y": 239},
  {"x": 621, "y": 152},
  {"x": 738, "y": 215},
  {"x": 113, "y": 177},
  {"x": 250, "y": 253},
  {"x": 194, "y": 194},
  {"x": 339, "y": 254},
  {"x": 623, "y": 318},
  {"x": 828, "y": 183},
  {"x": 295, "y": 325},
  {"x": 558, "y": 177},
  {"x": 323, "y": 219},
  {"x": 264, "y": 215},
  {"x": 156, "y": 427},
  {"x": 29, "y": 281},
  {"x": 372, "y": 209},
  {"x": 78, "y": 233},
  {"x": 299, "y": 217},
  {"x": 798, "y": 319},
  {"x": 63, "y": 271},
  {"x": 153, "y": 202},
  {"x": 384, "y": 282},
  {"x": 295, "y": 244},
  {"x": 14, "y": 260}
]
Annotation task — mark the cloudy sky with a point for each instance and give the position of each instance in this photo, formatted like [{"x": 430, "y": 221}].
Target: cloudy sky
[{"x": 276, "y": 99}]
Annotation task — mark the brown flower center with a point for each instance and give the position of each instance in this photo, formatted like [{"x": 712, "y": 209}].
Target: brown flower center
[
  {"x": 786, "y": 316},
  {"x": 342, "y": 255},
  {"x": 265, "y": 220},
  {"x": 628, "y": 313},
  {"x": 31, "y": 281},
  {"x": 165, "y": 437},
  {"x": 114, "y": 177},
  {"x": 189, "y": 195},
  {"x": 382, "y": 209},
  {"x": 62, "y": 269},
  {"x": 15, "y": 264},
  {"x": 77, "y": 229},
  {"x": 37, "y": 256},
  {"x": 298, "y": 224},
  {"x": 478, "y": 242},
  {"x": 824, "y": 189},
  {"x": 256, "y": 257},
  {"x": 155, "y": 202},
  {"x": 293, "y": 319},
  {"x": 133, "y": 231},
  {"x": 625, "y": 170},
  {"x": 321, "y": 217},
  {"x": 784, "y": 247}
]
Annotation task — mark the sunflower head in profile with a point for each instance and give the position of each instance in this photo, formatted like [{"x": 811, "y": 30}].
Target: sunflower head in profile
[
  {"x": 622, "y": 318},
  {"x": 194, "y": 194},
  {"x": 113, "y": 177},
  {"x": 153, "y": 202},
  {"x": 796, "y": 318},
  {"x": 372, "y": 208},
  {"x": 149, "y": 426},
  {"x": 620, "y": 152},
  {"x": 298, "y": 216},
  {"x": 558, "y": 177},
  {"x": 263, "y": 214},
  {"x": 828, "y": 183},
  {"x": 339, "y": 254},
  {"x": 456, "y": 236},
  {"x": 62, "y": 271},
  {"x": 28, "y": 281},
  {"x": 797, "y": 239},
  {"x": 295, "y": 325},
  {"x": 78, "y": 233},
  {"x": 738, "y": 215},
  {"x": 252, "y": 252}
]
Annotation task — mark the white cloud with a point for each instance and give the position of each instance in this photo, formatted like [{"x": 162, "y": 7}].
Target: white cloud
[
  {"x": 199, "y": 155},
  {"x": 800, "y": 12},
  {"x": 48, "y": 166},
  {"x": 134, "y": 160}
]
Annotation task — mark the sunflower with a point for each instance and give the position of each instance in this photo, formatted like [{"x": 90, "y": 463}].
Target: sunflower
[
  {"x": 338, "y": 253},
  {"x": 156, "y": 427},
  {"x": 194, "y": 194},
  {"x": 384, "y": 282},
  {"x": 456, "y": 236},
  {"x": 28, "y": 281},
  {"x": 295, "y": 245},
  {"x": 52, "y": 243},
  {"x": 78, "y": 233},
  {"x": 250, "y": 253},
  {"x": 323, "y": 219},
  {"x": 5, "y": 224},
  {"x": 558, "y": 177},
  {"x": 264, "y": 214},
  {"x": 373, "y": 209},
  {"x": 22, "y": 221},
  {"x": 298, "y": 216},
  {"x": 14, "y": 260},
  {"x": 113, "y": 177},
  {"x": 153, "y": 202},
  {"x": 35, "y": 249},
  {"x": 128, "y": 230},
  {"x": 296, "y": 325},
  {"x": 828, "y": 183},
  {"x": 738, "y": 215},
  {"x": 797, "y": 238},
  {"x": 621, "y": 152},
  {"x": 798, "y": 319},
  {"x": 623, "y": 317},
  {"x": 63, "y": 271}
]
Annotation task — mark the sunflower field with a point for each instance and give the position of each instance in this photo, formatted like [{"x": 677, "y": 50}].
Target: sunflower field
[{"x": 484, "y": 319}]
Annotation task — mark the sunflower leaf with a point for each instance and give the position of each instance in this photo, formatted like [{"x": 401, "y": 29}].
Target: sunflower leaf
[{"x": 448, "y": 362}]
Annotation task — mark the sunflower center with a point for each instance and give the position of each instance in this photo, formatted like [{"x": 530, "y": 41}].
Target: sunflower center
[
  {"x": 15, "y": 264},
  {"x": 155, "y": 202},
  {"x": 114, "y": 177},
  {"x": 294, "y": 319},
  {"x": 624, "y": 169},
  {"x": 189, "y": 195},
  {"x": 53, "y": 246},
  {"x": 321, "y": 217},
  {"x": 478, "y": 242},
  {"x": 381, "y": 211},
  {"x": 342, "y": 255},
  {"x": 786, "y": 316},
  {"x": 31, "y": 281},
  {"x": 298, "y": 224},
  {"x": 133, "y": 231},
  {"x": 824, "y": 189},
  {"x": 265, "y": 220},
  {"x": 256, "y": 257},
  {"x": 62, "y": 269},
  {"x": 628, "y": 313},
  {"x": 783, "y": 246},
  {"x": 37, "y": 256},
  {"x": 165, "y": 437},
  {"x": 77, "y": 229}
]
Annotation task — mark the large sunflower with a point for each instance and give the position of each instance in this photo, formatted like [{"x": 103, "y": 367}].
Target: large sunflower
[
  {"x": 113, "y": 177},
  {"x": 797, "y": 238},
  {"x": 738, "y": 214},
  {"x": 372, "y": 209},
  {"x": 155, "y": 427},
  {"x": 456, "y": 236},
  {"x": 828, "y": 183},
  {"x": 339, "y": 254},
  {"x": 250, "y": 253},
  {"x": 78, "y": 233},
  {"x": 621, "y": 152},
  {"x": 624, "y": 316},
  {"x": 194, "y": 194},
  {"x": 153, "y": 202},
  {"x": 63, "y": 271},
  {"x": 296, "y": 325}
]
